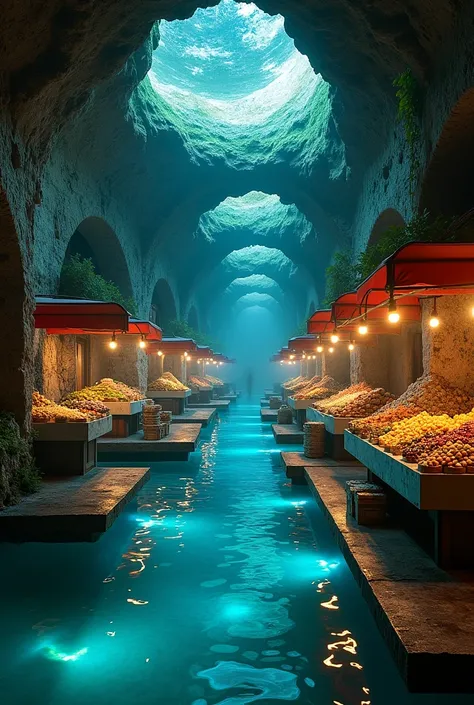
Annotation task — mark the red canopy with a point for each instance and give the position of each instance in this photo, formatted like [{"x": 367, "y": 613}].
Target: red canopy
[
  {"x": 347, "y": 308},
  {"x": 302, "y": 343},
  {"x": 63, "y": 315},
  {"x": 172, "y": 346},
  {"x": 320, "y": 322},
  {"x": 432, "y": 269}
]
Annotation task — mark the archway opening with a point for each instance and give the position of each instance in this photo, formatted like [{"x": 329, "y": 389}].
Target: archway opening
[
  {"x": 163, "y": 306},
  {"x": 96, "y": 241},
  {"x": 448, "y": 189},
  {"x": 389, "y": 218}
]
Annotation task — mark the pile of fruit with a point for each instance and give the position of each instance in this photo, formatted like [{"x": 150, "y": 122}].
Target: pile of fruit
[
  {"x": 294, "y": 381},
  {"x": 422, "y": 449},
  {"x": 167, "y": 383},
  {"x": 372, "y": 427},
  {"x": 46, "y": 411},
  {"x": 403, "y": 432},
  {"x": 214, "y": 380},
  {"x": 92, "y": 409},
  {"x": 356, "y": 401},
  {"x": 106, "y": 390},
  {"x": 200, "y": 384},
  {"x": 325, "y": 387},
  {"x": 433, "y": 394}
]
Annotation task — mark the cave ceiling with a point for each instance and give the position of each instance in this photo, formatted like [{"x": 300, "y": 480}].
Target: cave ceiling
[{"x": 136, "y": 104}]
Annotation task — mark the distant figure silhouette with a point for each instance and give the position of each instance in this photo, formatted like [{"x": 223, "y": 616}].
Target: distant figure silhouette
[{"x": 249, "y": 384}]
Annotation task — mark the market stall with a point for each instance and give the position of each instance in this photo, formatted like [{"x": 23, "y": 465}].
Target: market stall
[{"x": 168, "y": 370}]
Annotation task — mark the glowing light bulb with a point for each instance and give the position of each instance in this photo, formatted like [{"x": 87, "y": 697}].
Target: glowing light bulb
[
  {"x": 314, "y": 357},
  {"x": 142, "y": 343},
  {"x": 160, "y": 353},
  {"x": 113, "y": 343},
  {"x": 472, "y": 311},
  {"x": 319, "y": 349},
  {"x": 304, "y": 356},
  {"x": 351, "y": 346},
  {"x": 363, "y": 330},
  {"x": 292, "y": 357},
  {"x": 393, "y": 317},
  {"x": 331, "y": 350},
  {"x": 334, "y": 338},
  {"x": 434, "y": 321}
]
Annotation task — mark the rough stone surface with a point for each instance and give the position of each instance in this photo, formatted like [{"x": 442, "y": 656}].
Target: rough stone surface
[
  {"x": 287, "y": 433},
  {"x": 425, "y": 614},
  {"x": 77, "y": 509}
]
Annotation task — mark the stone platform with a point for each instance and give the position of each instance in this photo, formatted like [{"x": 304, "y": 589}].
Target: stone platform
[
  {"x": 181, "y": 441},
  {"x": 268, "y": 414},
  {"x": 219, "y": 404},
  {"x": 73, "y": 509},
  {"x": 201, "y": 416},
  {"x": 425, "y": 614},
  {"x": 287, "y": 433},
  {"x": 296, "y": 462}
]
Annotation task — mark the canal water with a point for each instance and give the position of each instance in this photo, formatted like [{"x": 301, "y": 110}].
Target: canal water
[{"x": 220, "y": 585}]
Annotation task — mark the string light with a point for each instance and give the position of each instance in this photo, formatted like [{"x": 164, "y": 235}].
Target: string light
[
  {"x": 113, "y": 342},
  {"x": 363, "y": 329},
  {"x": 292, "y": 357},
  {"x": 334, "y": 338},
  {"x": 319, "y": 349},
  {"x": 142, "y": 343},
  {"x": 159, "y": 353},
  {"x": 351, "y": 346},
  {"x": 331, "y": 350},
  {"x": 434, "y": 320},
  {"x": 393, "y": 315}
]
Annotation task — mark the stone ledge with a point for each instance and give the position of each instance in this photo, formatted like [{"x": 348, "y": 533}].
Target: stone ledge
[
  {"x": 425, "y": 615},
  {"x": 73, "y": 509},
  {"x": 287, "y": 433}
]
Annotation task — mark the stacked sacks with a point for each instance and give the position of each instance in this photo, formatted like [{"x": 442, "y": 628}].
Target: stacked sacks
[{"x": 313, "y": 444}]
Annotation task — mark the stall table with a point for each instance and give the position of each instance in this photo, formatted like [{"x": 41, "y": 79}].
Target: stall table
[
  {"x": 173, "y": 401},
  {"x": 444, "y": 504},
  {"x": 299, "y": 407},
  {"x": 334, "y": 435},
  {"x": 177, "y": 445},
  {"x": 63, "y": 449},
  {"x": 126, "y": 417}
]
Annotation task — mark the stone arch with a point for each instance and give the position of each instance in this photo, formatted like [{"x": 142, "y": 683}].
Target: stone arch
[
  {"x": 389, "y": 218},
  {"x": 163, "y": 306},
  {"x": 193, "y": 318},
  {"x": 16, "y": 322},
  {"x": 94, "y": 238},
  {"x": 447, "y": 188}
]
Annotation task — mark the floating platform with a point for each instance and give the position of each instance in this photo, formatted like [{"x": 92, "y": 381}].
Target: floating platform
[
  {"x": 295, "y": 463},
  {"x": 265, "y": 403},
  {"x": 181, "y": 441},
  {"x": 202, "y": 416},
  {"x": 73, "y": 509},
  {"x": 269, "y": 415},
  {"x": 287, "y": 433},
  {"x": 425, "y": 614},
  {"x": 219, "y": 404}
]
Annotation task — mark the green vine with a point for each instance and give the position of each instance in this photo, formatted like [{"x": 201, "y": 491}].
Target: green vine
[{"x": 408, "y": 113}]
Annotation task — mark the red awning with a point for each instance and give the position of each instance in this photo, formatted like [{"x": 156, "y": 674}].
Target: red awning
[
  {"x": 430, "y": 269},
  {"x": 66, "y": 315},
  {"x": 172, "y": 346},
  {"x": 148, "y": 329},
  {"x": 320, "y": 322},
  {"x": 203, "y": 351},
  {"x": 348, "y": 310},
  {"x": 302, "y": 343}
]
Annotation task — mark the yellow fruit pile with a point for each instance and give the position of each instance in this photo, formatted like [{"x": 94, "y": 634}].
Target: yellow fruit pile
[
  {"x": 46, "y": 411},
  {"x": 403, "y": 432},
  {"x": 324, "y": 387},
  {"x": 167, "y": 383},
  {"x": 372, "y": 427},
  {"x": 359, "y": 400},
  {"x": 295, "y": 382},
  {"x": 106, "y": 390},
  {"x": 200, "y": 383}
]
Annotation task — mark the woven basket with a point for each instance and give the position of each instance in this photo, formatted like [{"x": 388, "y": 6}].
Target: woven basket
[
  {"x": 313, "y": 444},
  {"x": 285, "y": 415}
]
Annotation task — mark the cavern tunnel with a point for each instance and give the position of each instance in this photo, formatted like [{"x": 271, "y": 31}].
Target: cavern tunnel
[{"x": 237, "y": 307}]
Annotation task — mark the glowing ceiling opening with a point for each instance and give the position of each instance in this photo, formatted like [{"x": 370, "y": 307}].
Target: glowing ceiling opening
[{"x": 230, "y": 67}]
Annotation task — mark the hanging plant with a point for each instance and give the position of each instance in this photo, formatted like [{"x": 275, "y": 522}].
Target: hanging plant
[{"x": 408, "y": 113}]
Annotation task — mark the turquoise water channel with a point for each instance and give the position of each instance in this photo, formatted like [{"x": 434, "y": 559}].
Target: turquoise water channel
[{"x": 220, "y": 585}]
